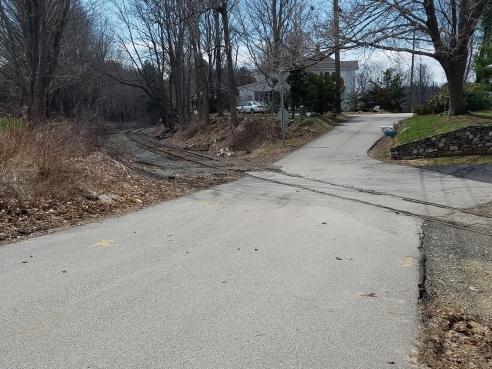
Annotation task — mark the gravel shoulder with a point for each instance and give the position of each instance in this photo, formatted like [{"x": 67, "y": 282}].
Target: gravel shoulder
[{"x": 457, "y": 300}]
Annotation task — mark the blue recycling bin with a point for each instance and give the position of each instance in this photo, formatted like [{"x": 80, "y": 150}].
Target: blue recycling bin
[{"x": 389, "y": 131}]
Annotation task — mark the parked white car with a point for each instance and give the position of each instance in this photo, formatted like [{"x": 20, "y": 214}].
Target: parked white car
[{"x": 251, "y": 107}]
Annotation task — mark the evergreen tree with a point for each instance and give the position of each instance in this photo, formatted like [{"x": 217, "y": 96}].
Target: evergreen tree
[
  {"x": 321, "y": 92},
  {"x": 298, "y": 88},
  {"x": 388, "y": 91},
  {"x": 483, "y": 62}
]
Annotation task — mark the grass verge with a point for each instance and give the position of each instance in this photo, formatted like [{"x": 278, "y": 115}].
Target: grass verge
[{"x": 422, "y": 126}]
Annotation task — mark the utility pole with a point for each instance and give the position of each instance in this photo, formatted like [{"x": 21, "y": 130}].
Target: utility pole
[
  {"x": 420, "y": 83},
  {"x": 411, "y": 73},
  {"x": 283, "y": 114},
  {"x": 336, "y": 30}
]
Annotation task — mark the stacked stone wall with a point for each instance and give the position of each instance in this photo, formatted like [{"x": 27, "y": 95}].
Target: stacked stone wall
[{"x": 472, "y": 140}]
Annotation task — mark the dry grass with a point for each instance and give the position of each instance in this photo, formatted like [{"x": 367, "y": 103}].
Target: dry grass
[
  {"x": 52, "y": 177},
  {"x": 253, "y": 133},
  {"x": 39, "y": 161},
  {"x": 35, "y": 161}
]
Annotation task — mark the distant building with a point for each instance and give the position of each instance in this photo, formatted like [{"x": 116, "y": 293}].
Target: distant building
[{"x": 262, "y": 91}]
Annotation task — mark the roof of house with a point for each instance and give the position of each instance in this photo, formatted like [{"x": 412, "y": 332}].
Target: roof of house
[
  {"x": 256, "y": 86},
  {"x": 328, "y": 62},
  {"x": 311, "y": 64}
]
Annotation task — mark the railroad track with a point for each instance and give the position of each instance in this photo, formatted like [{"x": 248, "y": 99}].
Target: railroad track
[
  {"x": 198, "y": 158},
  {"x": 174, "y": 151},
  {"x": 374, "y": 192}
]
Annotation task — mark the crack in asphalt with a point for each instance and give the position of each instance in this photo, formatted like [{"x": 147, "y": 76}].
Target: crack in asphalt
[
  {"x": 371, "y": 192},
  {"x": 468, "y": 227},
  {"x": 433, "y": 219}
]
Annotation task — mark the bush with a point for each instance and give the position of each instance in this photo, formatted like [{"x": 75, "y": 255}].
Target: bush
[
  {"x": 38, "y": 160},
  {"x": 422, "y": 110},
  {"x": 475, "y": 100},
  {"x": 252, "y": 133},
  {"x": 437, "y": 104}
]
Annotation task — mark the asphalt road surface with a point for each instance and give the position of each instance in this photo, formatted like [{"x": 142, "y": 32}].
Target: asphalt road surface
[{"x": 314, "y": 266}]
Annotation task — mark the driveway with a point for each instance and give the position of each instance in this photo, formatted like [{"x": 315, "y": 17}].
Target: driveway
[{"x": 312, "y": 266}]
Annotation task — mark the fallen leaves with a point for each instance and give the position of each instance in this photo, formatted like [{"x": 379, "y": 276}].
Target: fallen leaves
[
  {"x": 453, "y": 340},
  {"x": 102, "y": 187}
]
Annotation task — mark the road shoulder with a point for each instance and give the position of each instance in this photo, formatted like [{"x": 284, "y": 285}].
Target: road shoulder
[{"x": 456, "y": 299}]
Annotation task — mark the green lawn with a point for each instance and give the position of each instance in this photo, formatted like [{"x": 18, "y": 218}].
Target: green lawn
[{"x": 421, "y": 126}]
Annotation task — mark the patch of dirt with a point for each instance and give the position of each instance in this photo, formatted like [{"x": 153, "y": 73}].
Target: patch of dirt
[
  {"x": 256, "y": 140},
  {"x": 103, "y": 187},
  {"x": 454, "y": 340},
  {"x": 53, "y": 176},
  {"x": 381, "y": 149}
]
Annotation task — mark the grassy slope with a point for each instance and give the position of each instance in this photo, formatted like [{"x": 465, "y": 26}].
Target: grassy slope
[{"x": 422, "y": 126}]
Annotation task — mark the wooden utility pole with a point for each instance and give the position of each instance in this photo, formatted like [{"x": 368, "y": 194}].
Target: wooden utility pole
[
  {"x": 420, "y": 83},
  {"x": 338, "y": 76},
  {"x": 411, "y": 73}
]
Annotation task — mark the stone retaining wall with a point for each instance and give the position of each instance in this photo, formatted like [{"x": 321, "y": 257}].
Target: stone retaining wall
[{"x": 472, "y": 140}]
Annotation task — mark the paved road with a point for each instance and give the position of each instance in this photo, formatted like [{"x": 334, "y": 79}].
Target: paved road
[{"x": 305, "y": 268}]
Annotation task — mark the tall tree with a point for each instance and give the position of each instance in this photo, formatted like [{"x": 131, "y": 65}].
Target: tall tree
[
  {"x": 387, "y": 91},
  {"x": 31, "y": 35},
  {"x": 224, "y": 7},
  {"x": 443, "y": 31},
  {"x": 483, "y": 61},
  {"x": 298, "y": 87},
  {"x": 276, "y": 33}
]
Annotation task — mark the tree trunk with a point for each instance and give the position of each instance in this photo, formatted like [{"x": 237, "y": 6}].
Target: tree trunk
[
  {"x": 218, "y": 66},
  {"x": 338, "y": 92},
  {"x": 37, "y": 106},
  {"x": 455, "y": 72},
  {"x": 230, "y": 66}
]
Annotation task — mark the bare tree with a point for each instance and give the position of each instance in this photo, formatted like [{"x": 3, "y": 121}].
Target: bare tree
[
  {"x": 223, "y": 7},
  {"x": 276, "y": 33},
  {"x": 31, "y": 34},
  {"x": 201, "y": 69},
  {"x": 443, "y": 30},
  {"x": 218, "y": 62}
]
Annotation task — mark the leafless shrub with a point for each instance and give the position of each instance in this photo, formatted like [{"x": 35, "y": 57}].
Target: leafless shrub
[
  {"x": 39, "y": 160},
  {"x": 191, "y": 130},
  {"x": 252, "y": 133}
]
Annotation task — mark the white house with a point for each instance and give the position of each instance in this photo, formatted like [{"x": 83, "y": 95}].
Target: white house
[{"x": 262, "y": 91}]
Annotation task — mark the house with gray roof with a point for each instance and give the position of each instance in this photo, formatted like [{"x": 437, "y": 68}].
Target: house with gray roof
[{"x": 262, "y": 90}]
